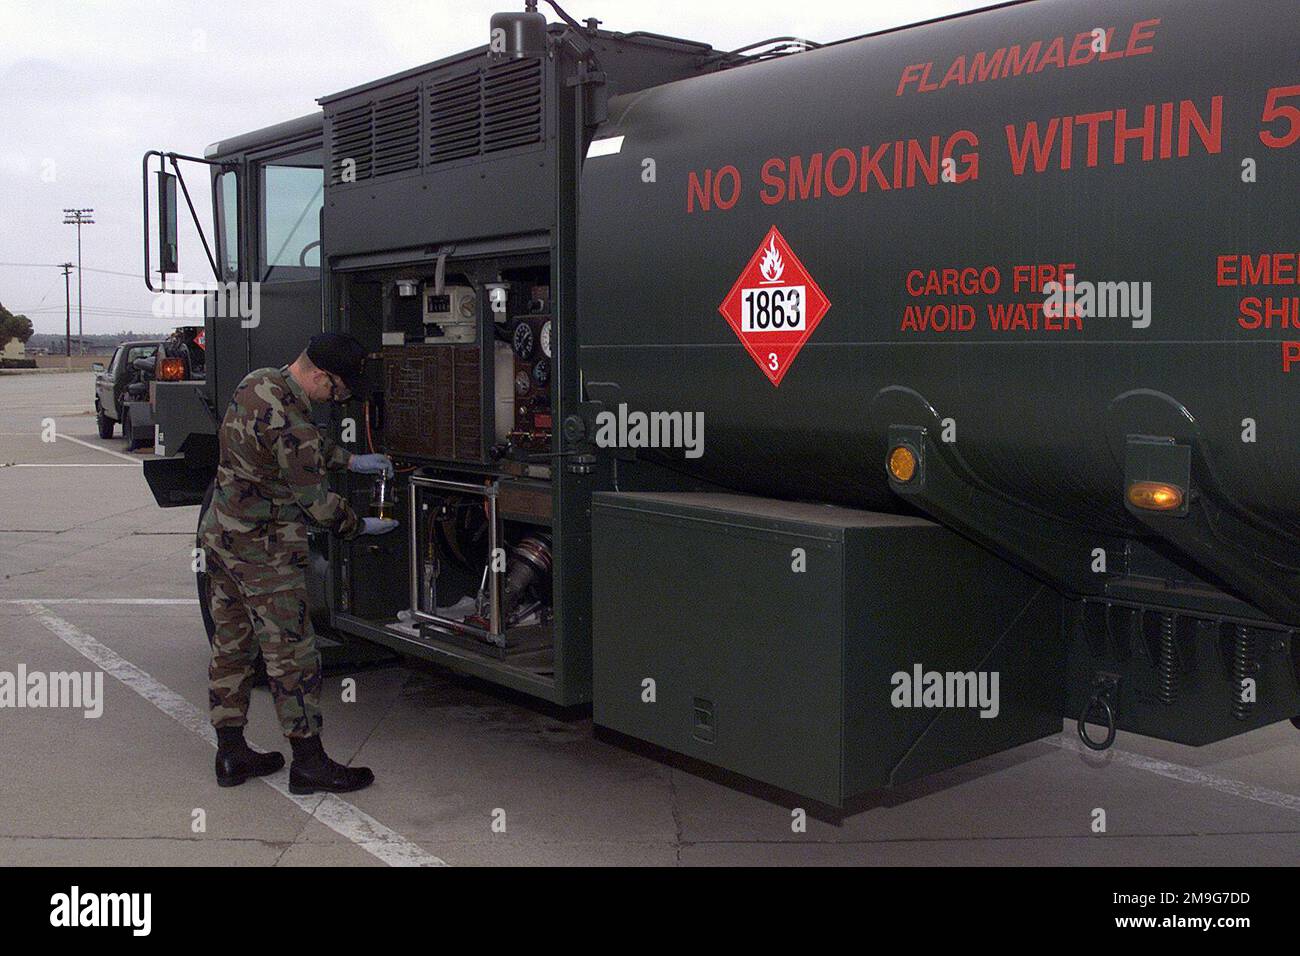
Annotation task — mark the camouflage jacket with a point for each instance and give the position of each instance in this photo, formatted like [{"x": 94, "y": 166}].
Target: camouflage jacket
[{"x": 271, "y": 476}]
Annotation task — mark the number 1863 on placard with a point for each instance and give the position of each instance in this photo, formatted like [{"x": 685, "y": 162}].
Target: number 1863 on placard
[{"x": 772, "y": 309}]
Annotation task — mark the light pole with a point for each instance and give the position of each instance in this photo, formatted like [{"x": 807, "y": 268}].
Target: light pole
[
  {"x": 79, "y": 218},
  {"x": 67, "y": 312}
]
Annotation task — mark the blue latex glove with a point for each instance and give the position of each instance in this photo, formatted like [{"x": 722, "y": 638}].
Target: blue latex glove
[
  {"x": 377, "y": 525},
  {"x": 371, "y": 465}
]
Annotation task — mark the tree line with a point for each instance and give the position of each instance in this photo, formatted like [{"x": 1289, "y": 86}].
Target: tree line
[{"x": 14, "y": 327}]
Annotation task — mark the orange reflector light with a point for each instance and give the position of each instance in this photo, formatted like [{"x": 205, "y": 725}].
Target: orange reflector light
[
  {"x": 171, "y": 370},
  {"x": 1155, "y": 496},
  {"x": 902, "y": 463}
]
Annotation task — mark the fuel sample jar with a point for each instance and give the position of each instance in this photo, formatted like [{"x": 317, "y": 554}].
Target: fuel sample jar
[{"x": 383, "y": 503}]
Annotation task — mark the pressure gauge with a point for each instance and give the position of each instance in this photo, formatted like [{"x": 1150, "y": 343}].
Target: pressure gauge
[
  {"x": 542, "y": 372},
  {"x": 546, "y": 338},
  {"x": 522, "y": 383},
  {"x": 522, "y": 342}
]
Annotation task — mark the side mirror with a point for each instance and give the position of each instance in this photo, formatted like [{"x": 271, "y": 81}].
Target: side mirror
[
  {"x": 168, "y": 247},
  {"x": 97, "y": 366}
]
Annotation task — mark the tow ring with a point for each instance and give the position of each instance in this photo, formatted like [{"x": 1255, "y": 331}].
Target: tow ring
[{"x": 1100, "y": 698}]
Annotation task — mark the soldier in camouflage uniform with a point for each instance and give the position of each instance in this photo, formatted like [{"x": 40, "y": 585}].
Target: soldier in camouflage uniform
[{"x": 271, "y": 480}]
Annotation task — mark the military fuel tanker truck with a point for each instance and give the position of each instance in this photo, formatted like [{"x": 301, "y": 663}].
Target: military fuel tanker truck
[{"x": 832, "y": 414}]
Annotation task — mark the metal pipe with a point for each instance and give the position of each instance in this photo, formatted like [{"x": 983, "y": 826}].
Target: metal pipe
[
  {"x": 414, "y": 562},
  {"x": 494, "y": 576},
  {"x": 487, "y": 491}
]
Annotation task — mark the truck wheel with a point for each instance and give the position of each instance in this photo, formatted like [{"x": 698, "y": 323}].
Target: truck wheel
[
  {"x": 127, "y": 432},
  {"x": 204, "y": 586},
  {"x": 201, "y": 577},
  {"x": 103, "y": 421}
]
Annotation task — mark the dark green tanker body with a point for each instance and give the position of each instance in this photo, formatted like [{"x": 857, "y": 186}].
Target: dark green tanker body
[
  {"x": 1036, "y": 413},
  {"x": 1165, "y": 159}
]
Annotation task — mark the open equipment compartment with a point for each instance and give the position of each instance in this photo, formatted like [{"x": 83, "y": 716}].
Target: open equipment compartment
[{"x": 460, "y": 397}]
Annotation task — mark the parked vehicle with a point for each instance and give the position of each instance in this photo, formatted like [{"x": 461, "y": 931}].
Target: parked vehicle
[
  {"x": 125, "y": 390},
  {"x": 122, "y": 392}
]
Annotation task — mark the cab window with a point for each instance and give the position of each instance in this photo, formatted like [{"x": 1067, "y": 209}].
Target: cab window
[
  {"x": 292, "y": 191},
  {"x": 228, "y": 224}
]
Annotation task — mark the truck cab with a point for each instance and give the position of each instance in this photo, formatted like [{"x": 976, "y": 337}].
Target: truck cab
[{"x": 267, "y": 191}]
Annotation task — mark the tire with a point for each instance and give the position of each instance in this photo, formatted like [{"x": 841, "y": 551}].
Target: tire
[
  {"x": 204, "y": 586},
  {"x": 205, "y": 609},
  {"x": 127, "y": 433},
  {"x": 201, "y": 577},
  {"x": 104, "y": 422}
]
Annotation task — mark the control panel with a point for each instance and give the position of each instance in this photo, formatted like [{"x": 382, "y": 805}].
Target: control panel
[{"x": 532, "y": 345}]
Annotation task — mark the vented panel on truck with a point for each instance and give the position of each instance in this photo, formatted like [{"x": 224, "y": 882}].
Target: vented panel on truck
[{"x": 490, "y": 109}]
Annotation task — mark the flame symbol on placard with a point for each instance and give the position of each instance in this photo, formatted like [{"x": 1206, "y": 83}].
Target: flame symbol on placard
[{"x": 772, "y": 265}]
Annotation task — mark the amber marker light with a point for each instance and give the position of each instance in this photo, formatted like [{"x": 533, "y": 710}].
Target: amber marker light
[
  {"x": 902, "y": 463},
  {"x": 171, "y": 370},
  {"x": 1155, "y": 496}
]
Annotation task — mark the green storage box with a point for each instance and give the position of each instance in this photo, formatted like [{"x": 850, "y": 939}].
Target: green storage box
[{"x": 775, "y": 633}]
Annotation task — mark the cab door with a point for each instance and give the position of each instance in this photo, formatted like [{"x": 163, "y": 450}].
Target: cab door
[
  {"x": 225, "y": 341},
  {"x": 290, "y": 195},
  {"x": 105, "y": 391},
  {"x": 268, "y": 214}
]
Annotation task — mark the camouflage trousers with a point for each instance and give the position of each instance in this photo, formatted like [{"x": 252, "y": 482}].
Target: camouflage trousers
[{"x": 275, "y": 620}]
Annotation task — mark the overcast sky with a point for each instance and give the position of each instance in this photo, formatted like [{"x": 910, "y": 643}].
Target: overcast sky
[{"x": 86, "y": 87}]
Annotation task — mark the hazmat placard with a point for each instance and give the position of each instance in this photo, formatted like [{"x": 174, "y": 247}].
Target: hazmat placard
[{"x": 774, "y": 306}]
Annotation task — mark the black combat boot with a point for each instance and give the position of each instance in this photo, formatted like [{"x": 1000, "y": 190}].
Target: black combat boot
[
  {"x": 236, "y": 761},
  {"x": 312, "y": 771}
]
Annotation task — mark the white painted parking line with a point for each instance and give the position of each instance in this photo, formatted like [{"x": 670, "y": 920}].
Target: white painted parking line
[
  {"x": 336, "y": 813},
  {"x": 1174, "y": 771},
  {"x": 143, "y": 601},
  {"x": 63, "y": 465},
  {"x": 107, "y": 451}
]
